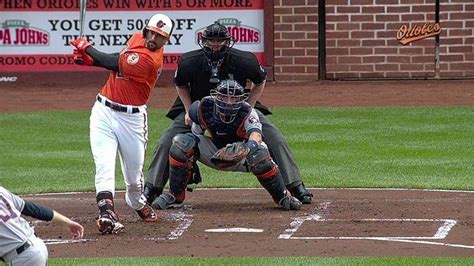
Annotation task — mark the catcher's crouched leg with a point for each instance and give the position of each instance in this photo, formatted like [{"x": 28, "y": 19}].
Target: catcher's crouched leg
[
  {"x": 181, "y": 159},
  {"x": 269, "y": 176}
]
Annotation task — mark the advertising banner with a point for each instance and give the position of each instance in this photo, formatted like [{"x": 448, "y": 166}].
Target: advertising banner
[{"x": 35, "y": 34}]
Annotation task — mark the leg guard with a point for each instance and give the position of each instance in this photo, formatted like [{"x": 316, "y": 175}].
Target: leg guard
[
  {"x": 267, "y": 172},
  {"x": 270, "y": 177},
  {"x": 181, "y": 158}
]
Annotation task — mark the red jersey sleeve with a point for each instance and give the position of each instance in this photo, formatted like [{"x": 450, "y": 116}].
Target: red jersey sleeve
[{"x": 138, "y": 63}]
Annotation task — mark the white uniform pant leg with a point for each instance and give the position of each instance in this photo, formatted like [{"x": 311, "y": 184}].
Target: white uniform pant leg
[
  {"x": 207, "y": 149},
  {"x": 133, "y": 137},
  {"x": 35, "y": 255},
  {"x": 104, "y": 145}
]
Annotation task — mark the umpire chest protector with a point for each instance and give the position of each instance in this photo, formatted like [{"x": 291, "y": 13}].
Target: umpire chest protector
[{"x": 223, "y": 133}]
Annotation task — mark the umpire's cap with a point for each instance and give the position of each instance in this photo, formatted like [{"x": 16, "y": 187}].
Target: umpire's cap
[
  {"x": 160, "y": 24},
  {"x": 216, "y": 31}
]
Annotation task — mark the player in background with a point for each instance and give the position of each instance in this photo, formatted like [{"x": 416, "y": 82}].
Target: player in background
[
  {"x": 118, "y": 121},
  {"x": 18, "y": 243},
  {"x": 199, "y": 72}
]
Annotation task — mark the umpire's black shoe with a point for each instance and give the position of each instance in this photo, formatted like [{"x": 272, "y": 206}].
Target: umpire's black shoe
[{"x": 301, "y": 193}]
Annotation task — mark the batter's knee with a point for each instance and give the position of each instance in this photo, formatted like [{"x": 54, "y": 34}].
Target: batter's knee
[{"x": 261, "y": 164}]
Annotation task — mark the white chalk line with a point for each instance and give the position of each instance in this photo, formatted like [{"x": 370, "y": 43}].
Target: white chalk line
[
  {"x": 423, "y": 242},
  {"x": 184, "y": 219},
  {"x": 56, "y": 241},
  {"x": 298, "y": 221},
  {"x": 185, "y": 222},
  {"x": 365, "y": 189},
  {"x": 441, "y": 233}
]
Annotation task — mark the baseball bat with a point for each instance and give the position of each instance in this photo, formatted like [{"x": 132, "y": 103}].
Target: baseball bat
[{"x": 82, "y": 20}]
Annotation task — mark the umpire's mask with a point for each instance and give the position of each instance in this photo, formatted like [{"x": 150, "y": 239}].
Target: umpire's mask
[
  {"x": 216, "y": 42},
  {"x": 229, "y": 96}
]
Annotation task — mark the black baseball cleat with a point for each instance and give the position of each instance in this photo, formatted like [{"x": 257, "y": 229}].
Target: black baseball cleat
[{"x": 301, "y": 193}]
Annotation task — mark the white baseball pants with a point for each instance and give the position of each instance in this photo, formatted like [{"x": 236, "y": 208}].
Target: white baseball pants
[{"x": 113, "y": 131}]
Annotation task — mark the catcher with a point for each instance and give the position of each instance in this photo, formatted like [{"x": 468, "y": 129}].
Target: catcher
[{"x": 226, "y": 135}]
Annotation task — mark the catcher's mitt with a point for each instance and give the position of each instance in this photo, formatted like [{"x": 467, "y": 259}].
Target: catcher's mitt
[{"x": 231, "y": 153}]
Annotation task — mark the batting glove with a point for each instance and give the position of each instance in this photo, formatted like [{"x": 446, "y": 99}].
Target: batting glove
[
  {"x": 81, "y": 44},
  {"x": 82, "y": 58}
]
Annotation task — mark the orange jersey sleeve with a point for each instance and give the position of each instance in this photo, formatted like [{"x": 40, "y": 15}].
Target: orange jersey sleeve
[{"x": 139, "y": 71}]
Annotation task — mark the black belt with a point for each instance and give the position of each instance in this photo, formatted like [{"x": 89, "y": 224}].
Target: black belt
[
  {"x": 116, "y": 107},
  {"x": 20, "y": 250}
]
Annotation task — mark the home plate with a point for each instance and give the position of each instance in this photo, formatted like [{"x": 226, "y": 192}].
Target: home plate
[{"x": 234, "y": 230}]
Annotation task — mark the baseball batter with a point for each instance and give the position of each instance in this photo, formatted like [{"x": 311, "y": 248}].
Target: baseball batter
[
  {"x": 118, "y": 122},
  {"x": 18, "y": 242},
  {"x": 218, "y": 120}
]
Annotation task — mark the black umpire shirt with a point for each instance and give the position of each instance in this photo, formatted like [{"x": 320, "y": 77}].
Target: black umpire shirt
[{"x": 194, "y": 73}]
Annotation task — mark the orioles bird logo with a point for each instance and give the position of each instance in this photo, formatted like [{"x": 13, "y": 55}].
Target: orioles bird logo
[{"x": 160, "y": 24}]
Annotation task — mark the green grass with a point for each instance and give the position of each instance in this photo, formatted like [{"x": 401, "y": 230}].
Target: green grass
[
  {"x": 334, "y": 147},
  {"x": 362, "y": 261}
]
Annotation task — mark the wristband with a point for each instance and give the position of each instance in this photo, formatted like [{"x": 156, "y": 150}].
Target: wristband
[{"x": 252, "y": 145}]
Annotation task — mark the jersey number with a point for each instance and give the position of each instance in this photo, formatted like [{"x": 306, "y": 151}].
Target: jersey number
[{"x": 6, "y": 211}]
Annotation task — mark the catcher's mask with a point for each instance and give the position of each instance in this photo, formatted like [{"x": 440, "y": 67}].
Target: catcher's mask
[
  {"x": 216, "y": 42},
  {"x": 229, "y": 96}
]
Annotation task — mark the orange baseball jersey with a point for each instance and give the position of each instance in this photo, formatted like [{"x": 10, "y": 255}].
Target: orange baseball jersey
[{"x": 139, "y": 69}]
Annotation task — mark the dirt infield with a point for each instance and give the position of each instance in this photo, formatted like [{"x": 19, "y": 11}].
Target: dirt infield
[{"x": 338, "y": 223}]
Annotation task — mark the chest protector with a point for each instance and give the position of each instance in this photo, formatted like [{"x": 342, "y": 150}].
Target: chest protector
[{"x": 222, "y": 133}]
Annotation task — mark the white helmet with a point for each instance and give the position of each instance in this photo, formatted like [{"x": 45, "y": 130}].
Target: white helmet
[{"x": 160, "y": 24}]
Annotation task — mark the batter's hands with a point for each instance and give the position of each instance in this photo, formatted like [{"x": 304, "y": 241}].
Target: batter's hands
[
  {"x": 82, "y": 58},
  {"x": 81, "y": 44}
]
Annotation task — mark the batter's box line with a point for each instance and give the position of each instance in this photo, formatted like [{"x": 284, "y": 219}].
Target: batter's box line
[
  {"x": 185, "y": 221},
  {"x": 56, "y": 241},
  {"x": 441, "y": 233}
]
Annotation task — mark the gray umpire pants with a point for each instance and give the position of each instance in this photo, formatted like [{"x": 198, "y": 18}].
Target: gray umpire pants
[{"x": 158, "y": 171}]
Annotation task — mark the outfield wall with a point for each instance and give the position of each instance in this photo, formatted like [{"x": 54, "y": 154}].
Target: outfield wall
[
  {"x": 361, "y": 39},
  {"x": 296, "y": 40}
]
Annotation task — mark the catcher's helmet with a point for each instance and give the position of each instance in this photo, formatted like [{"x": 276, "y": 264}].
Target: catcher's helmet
[
  {"x": 216, "y": 42},
  {"x": 229, "y": 96},
  {"x": 160, "y": 24}
]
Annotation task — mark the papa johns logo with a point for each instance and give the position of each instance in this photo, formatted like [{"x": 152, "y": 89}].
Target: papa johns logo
[
  {"x": 18, "y": 33},
  {"x": 242, "y": 34}
]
